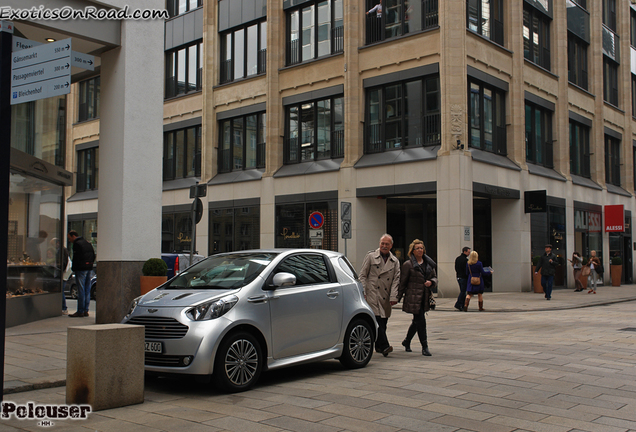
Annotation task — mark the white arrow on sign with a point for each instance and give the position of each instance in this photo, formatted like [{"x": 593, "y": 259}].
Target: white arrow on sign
[{"x": 78, "y": 59}]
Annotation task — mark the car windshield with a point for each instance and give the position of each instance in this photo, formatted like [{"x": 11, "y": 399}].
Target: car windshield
[{"x": 223, "y": 271}]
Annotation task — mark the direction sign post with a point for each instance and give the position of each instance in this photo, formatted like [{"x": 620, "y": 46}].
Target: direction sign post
[{"x": 345, "y": 217}]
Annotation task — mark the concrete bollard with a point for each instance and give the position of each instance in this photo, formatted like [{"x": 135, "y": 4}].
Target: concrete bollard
[{"x": 105, "y": 365}]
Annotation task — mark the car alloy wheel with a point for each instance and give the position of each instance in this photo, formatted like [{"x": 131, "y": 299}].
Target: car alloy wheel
[
  {"x": 238, "y": 362},
  {"x": 73, "y": 291},
  {"x": 358, "y": 345}
]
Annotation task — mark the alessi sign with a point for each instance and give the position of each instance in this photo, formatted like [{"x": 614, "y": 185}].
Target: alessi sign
[{"x": 614, "y": 218}]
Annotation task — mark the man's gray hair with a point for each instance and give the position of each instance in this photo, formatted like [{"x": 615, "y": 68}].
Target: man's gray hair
[{"x": 387, "y": 235}]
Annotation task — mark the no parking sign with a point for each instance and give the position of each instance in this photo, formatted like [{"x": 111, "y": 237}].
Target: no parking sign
[{"x": 316, "y": 220}]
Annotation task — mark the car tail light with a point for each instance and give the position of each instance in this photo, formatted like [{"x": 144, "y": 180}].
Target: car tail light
[{"x": 176, "y": 265}]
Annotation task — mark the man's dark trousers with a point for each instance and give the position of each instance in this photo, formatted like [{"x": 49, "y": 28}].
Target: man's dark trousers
[
  {"x": 461, "y": 298},
  {"x": 546, "y": 283},
  {"x": 382, "y": 342}
]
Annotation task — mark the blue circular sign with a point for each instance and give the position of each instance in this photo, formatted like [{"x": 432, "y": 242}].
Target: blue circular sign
[{"x": 316, "y": 220}]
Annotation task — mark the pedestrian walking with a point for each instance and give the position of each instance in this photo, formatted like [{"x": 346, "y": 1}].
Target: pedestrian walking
[
  {"x": 547, "y": 266},
  {"x": 417, "y": 279},
  {"x": 83, "y": 259},
  {"x": 577, "y": 266},
  {"x": 595, "y": 266},
  {"x": 380, "y": 278},
  {"x": 475, "y": 271},
  {"x": 462, "y": 279}
]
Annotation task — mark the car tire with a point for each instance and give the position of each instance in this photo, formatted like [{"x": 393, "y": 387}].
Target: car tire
[
  {"x": 358, "y": 345},
  {"x": 238, "y": 363},
  {"x": 73, "y": 292}
]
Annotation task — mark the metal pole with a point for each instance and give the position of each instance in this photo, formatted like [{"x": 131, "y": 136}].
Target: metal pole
[{"x": 193, "y": 240}]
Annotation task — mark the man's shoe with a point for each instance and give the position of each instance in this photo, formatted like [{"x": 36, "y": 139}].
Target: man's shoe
[
  {"x": 459, "y": 308},
  {"x": 77, "y": 315},
  {"x": 85, "y": 314},
  {"x": 387, "y": 350},
  {"x": 407, "y": 346},
  {"x": 426, "y": 352}
]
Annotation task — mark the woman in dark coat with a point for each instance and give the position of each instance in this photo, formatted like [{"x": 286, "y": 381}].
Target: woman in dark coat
[
  {"x": 474, "y": 268},
  {"x": 417, "y": 278}
]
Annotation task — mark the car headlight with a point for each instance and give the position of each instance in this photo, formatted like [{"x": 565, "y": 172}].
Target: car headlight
[
  {"x": 133, "y": 305},
  {"x": 213, "y": 309}
]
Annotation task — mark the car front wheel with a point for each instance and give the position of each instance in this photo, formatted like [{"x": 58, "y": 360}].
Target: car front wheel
[
  {"x": 73, "y": 291},
  {"x": 238, "y": 363},
  {"x": 358, "y": 345}
]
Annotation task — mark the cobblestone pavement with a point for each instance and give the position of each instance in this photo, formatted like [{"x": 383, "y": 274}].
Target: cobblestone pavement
[{"x": 564, "y": 368}]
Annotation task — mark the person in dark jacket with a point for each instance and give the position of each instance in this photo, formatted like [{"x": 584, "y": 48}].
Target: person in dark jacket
[
  {"x": 83, "y": 259},
  {"x": 547, "y": 266},
  {"x": 460, "y": 271},
  {"x": 417, "y": 279},
  {"x": 474, "y": 268}
]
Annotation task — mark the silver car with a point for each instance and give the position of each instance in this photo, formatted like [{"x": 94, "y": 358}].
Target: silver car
[{"x": 235, "y": 314}]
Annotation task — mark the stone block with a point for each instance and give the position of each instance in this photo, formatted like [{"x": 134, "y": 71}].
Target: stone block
[{"x": 105, "y": 365}]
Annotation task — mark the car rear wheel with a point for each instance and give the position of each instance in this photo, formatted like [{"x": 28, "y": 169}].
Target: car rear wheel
[
  {"x": 73, "y": 291},
  {"x": 358, "y": 345},
  {"x": 238, "y": 363}
]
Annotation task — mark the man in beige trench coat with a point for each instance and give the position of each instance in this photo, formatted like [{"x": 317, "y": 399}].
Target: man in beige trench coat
[{"x": 380, "y": 277}]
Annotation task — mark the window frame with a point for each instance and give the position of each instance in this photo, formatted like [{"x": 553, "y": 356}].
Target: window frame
[
  {"x": 226, "y": 68},
  {"x": 299, "y": 282},
  {"x": 543, "y": 58},
  {"x": 294, "y": 48},
  {"x": 88, "y": 110},
  {"x": 172, "y": 66},
  {"x": 610, "y": 81},
  {"x": 497, "y": 33},
  {"x": 261, "y": 120},
  {"x": 85, "y": 173},
  {"x": 609, "y": 14},
  {"x": 612, "y": 160},
  {"x": 582, "y": 146},
  {"x": 499, "y": 142},
  {"x": 336, "y": 136},
  {"x": 172, "y": 6},
  {"x": 170, "y": 173},
  {"x": 376, "y": 28},
  {"x": 546, "y": 147},
  {"x": 577, "y": 49}
]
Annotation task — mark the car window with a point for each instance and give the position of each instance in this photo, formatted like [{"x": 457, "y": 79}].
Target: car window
[
  {"x": 308, "y": 269},
  {"x": 347, "y": 267}
]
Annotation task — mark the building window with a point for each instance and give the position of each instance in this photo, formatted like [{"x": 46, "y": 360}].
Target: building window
[
  {"x": 184, "y": 70},
  {"x": 234, "y": 229},
  {"x": 293, "y": 231},
  {"x": 633, "y": 95},
  {"x": 632, "y": 27},
  {"x": 577, "y": 61},
  {"x": 612, "y": 160},
  {"x": 88, "y": 99},
  {"x": 610, "y": 81},
  {"x": 487, "y": 117},
  {"x": 182, "y": 153},
  {"x": 244, "y": 52},
  {"x": 242, "y": 143},
  {"x": 536, "y": 36},
  {"x": 314, "y": 130},
  {"x": 539, "y": 135},
  {"x": 403, "y": 114},
  {"x": 177, "y": 7},
  {"x": 399, "y": 17},
  {"x": 87, "y": 167},
  {"x": 609, "y": 14},
  {"x": 634, "y": 162},
  {"x": 486, "y": 18},
  {"x": 176, "y": 232},
  {"x": 579, "y": 149},
  {"x": 314, "y": 30}
]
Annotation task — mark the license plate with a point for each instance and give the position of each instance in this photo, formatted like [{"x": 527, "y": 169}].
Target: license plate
[{"x": 154, "y": 347}]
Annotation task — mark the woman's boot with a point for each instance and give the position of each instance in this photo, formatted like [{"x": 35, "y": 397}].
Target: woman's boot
[
  {"x": 481, "y": 306},
  {"x": 466, "y": 305}
]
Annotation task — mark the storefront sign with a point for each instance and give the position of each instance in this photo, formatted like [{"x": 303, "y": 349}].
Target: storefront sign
[
  {"x": 614, "y": 218},
  {"x": 594, "y": 222},
  {"x": 580, "y": 220},
  {"x": 535, "y": 201}
]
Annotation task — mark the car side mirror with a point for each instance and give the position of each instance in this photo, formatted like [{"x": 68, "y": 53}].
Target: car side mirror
[{"x": 283, "y": 279}]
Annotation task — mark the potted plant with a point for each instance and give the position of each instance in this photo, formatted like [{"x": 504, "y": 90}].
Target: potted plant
[
  {"x": 616, "y": 271},
  {"x": 154, "y": 274},
  {"x": 536, "y": 278}
]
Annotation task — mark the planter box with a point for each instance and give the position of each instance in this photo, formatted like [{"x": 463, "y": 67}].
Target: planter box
[
  {"x": 148, "y": 283},
  {"x": 536, "y": 281},
  {"x": 616, "y": 271}
]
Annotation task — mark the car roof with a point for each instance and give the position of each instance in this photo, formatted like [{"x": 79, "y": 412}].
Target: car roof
[{"x": 285, "y": 251}]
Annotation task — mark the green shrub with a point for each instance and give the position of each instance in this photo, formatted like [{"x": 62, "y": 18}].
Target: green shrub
[
  {"x": 155, "y": 267},
  {"x": 535, "y": 260},
  {"x": 617, "y": 261}
]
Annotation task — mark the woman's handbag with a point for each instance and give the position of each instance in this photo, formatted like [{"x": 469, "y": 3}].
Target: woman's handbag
[
  {"x": 585, "y": 271},
  {"x": 474, "y": 280},
  {"x": 431, "y": 300}
]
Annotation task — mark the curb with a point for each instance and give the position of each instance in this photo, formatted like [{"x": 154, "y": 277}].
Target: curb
[{"x": 36, "y": 386}]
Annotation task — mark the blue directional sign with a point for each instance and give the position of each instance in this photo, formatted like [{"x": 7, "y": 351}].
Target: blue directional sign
[{"x": 316, "y": 220}]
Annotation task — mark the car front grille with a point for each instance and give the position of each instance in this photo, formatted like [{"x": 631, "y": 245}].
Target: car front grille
[
  {"x": 160, "y": 328},
  {"x": 163, "y": 360}
]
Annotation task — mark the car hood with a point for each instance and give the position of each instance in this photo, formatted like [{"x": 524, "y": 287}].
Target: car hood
[{"x": 182, "y": 298}]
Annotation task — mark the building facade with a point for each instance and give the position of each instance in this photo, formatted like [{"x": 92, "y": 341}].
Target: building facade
[{"x": 432, "y": 119}]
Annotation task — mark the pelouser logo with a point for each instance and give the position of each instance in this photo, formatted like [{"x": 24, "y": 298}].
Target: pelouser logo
[{"x": 31, "y": 411}]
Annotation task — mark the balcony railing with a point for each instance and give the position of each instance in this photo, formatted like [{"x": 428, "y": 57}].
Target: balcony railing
[
  {"x": 293, "y": 52},
  {"x": 337, "y": 37},
  {"x": 337, "y": 144},
  {"x": 262, "y": 60},
  {"x": 375, "y": 27},
  {"x": 226, "y": 66},
  {"x": 260, "y": 155},
  {"x": 433, "y": 128}
]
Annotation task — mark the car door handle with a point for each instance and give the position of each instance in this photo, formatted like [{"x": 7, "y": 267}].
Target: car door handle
[
  {"x": 333, "y": 294},
  {"x": 259, "y": 299}
]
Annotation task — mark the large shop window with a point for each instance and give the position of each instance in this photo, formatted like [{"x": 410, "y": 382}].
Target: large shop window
[
  {"x": 486, "y": 18},
  {"x": 539, "y": 135},
  {"x": 233, "y": 229},
  {"x": 550, "y": 227},
  {"x": 577, "y": 61},
  {"x": 610, "y": 81},
  {"x": 242, "y": 143},
  {"x": 184, "y": 70},
  {"x": 87, "y": 170},
  {"x": 587, "y": 232},
  {"x": 293, "y": 229},
  {"x": 182, "y": 153},
  {"x": 487, "y": 117},
  {"x": 178, "y": 7},
  {"x": 86, "y": 226},
  {"x": 579, "y": 149},
  {"x": 612, "y": 160},
  {"x": 243, "y": 52},
  {"x": 88, "y": 99},
  {"x": 403, "y": 114},
  {"x": 314, "y": 130},
  {"x": 399, "y": 17},
  {"x": 536, "y": 36},
  {"x": 314, "y": 30},
  {"x": 34, "y": 255},
  {"x": 176, "y": 232},
  {"x": 38, "y": 128}
]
